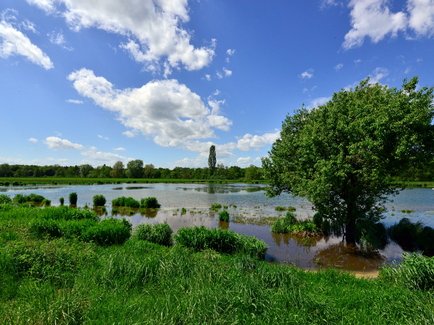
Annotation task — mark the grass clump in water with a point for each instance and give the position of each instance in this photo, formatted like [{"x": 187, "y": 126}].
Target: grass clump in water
[
  {"x": 216, "y": 206},
  {"x": 73, "y": 197},
  {"x": 149, "y": 203},
  {"x": 222, "y": 241},
  {"x": 127, "y": 202},
  {"x": 290, "y": 224},
  {"x": 160, "y": 234},
  {"x": 99, "y": 200},
  {"x": 31, "y": 199},
  {"x": 224, "y": 216},
  {"x": 108, "y": 232}
]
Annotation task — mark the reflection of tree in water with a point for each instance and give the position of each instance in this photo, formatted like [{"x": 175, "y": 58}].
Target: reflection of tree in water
[
  {"x": 149, "y": 213},
  {"x": 348, "y": 257},
  {"x": 306, "y": 241},
  {"x": 100, "y": 211},
  {"x": 223, "y": 225}
]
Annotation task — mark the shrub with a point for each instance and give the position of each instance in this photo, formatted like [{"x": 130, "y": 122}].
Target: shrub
[
  {"x": 4, "y": 199},
  {"x": 124, "y": 201},
  {"x": 216, "y": 206},
  {"x": 414, "y": 272},
  {"x": 42, "y": 227},
  {"x": 32, "y": 199},
  {"x": 224, "y": 216},
  {"x": 290, "y": 224},
  {"x": 108, "y": 232},
  {"x": 223, "y": 241},
  {"x": 183, "y": 211},
  {"x": 62, "y": 201},
  {"x": 280, "y": 208},
  {"x": 73, "y": 198},
  {"x": 99, "y": 200},
  {"x": 46, "y": 203},
  {"x": 159, "y": 234},
  {"x": 150, "y": 203}
]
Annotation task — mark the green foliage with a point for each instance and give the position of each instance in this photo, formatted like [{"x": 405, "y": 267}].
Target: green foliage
[
  {"x": 183, "y": 211},
  {"x": 73, "y": 198},
  {"x": 415, "y": 272},
  {"x": 124, "y": 201},
  {"x": 66, "y": 213},
  {"x": 224, "y": 216},
  {"x": 160, "y": 234},
  {"x": 62, "y": 201},
  {"x": 290, "y": 224},
  {"x": 212, "y": 159},
  {"x": 149, "y": 203},
  {"x": 135, "y": 169},
  {"x": 216, "y": 206},
  {"x": 43, "y": 227},
  {"x": 342, "y": 155},
  {"x": 99, "y": 200},
  {"x": 108, "y": 232},
  {"x": 223, "y": 241},
  {"x": 4, "y": 199},
  {"x": 31, "y": 199}
]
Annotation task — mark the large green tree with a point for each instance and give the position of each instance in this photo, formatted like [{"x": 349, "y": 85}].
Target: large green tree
[
  {"x": 212, "y": 159},
  {"x": 342, "y": 155},
  {"x": 135, "y": 169}
]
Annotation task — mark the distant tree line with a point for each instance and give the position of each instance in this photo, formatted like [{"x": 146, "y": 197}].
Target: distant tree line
[{"x": 134, "y": 169}]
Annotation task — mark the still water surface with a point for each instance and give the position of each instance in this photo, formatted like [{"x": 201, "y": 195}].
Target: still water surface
[{"x": 247, "y": 205}]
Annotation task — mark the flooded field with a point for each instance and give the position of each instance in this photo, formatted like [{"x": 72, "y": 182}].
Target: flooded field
[{"x": 251, "y": 213}]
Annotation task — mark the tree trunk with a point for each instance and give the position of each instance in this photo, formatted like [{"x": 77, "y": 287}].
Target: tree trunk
[{"x": 350, "y": 230}]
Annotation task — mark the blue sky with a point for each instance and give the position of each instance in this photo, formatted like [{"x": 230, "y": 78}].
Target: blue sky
[{"x": 106, "y": 80}]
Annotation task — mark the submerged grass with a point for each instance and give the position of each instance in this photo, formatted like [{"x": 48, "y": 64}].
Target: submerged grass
[{"x": 67, "y": 281}]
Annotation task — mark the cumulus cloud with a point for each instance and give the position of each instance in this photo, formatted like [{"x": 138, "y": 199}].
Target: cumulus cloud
[
  {"x": 152, "y": 28},
  {"x": 33, "y": 140},
  {"x": 308, "y": 74},
  {"x": 164, "y": 109},
  {"x": 319, "y": 101},
  {"x": 378, "y": 74},
  {"x": 339, "y": 66},
  {"x": 249, "y": 141},
  {"x": 14, "y": 42},
  {"x": 95, "y": 156},
  {"x": 421, "y": 16},
  {"x": 119, "y": 149},
  {"x": 102, "y": 137},
  {"x": 59, "y": 143},
  {"x": 373, "y": 19}
]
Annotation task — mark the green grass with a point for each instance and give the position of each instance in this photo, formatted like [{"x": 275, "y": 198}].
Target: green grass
[
  {"x": 67, "y": 281},
  {"x": 160, "y": 234},
  {"x": 224, "y": 216}
]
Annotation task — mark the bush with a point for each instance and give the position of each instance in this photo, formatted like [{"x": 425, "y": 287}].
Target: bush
[
  {"x": 216, "y": 206},
  {"x": 4, "y": 199},
  {"x": 159, "y": 234},
  {"x": 223, "y": 241},
  {"x": 108, "y": 232},
  {"x": 224, "y": 216},
  {"x": 62, "y": 201},
  {"x": 290, "y": 224},
  {"x": 32, "y": 199},
  {"x": 150, "y": 203},
  {"x": 73, "y": 198},
  {"x": 414, "y": 272},
  {"x": 128, "y": 202},
  {"x": 99, "y": 200},
  {"x": 42, "y": 228}
]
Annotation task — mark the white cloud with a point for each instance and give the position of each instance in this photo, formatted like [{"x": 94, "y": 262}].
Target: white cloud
[
  {"x": 74, "y": 101},
  {"x": 249, "y": 141},
  {"x": 102, "y": 137},
  {"x": 33, "y": 140},
  {"x": 373, "y": 19},
  {"x": 96, "y": 156},
  {"x": 318, "y": 102},
  {"x": 152, "y": 28},
  {"x": 227, "y": 72},
  {"x": 378, "y": 74},
  {"x": 208, "y": 77},
  {"x": 330, "y": 3},
  {"x": 164, "y": 109},
  {"x": 59, "y": 143},
  {"x": 339, "y": 66},
  {"x": 421, "y": 16},
  {"x": 14, "y": 42},
  {"x": 130, "y": 133},
  {"x": 308, "y": 74},
  {"x": 119, "y": 149},
  {"x": 230, "y": 52},
  {"x": 58, "y": 38}
]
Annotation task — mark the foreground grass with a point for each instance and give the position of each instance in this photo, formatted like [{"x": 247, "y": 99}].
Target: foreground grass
[{"x": 66, "y": 281}]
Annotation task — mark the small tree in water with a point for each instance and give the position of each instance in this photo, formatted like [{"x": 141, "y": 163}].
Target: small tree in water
[
  {"x": 212, "y": 160},
  {"x": 342, "y": 155}
]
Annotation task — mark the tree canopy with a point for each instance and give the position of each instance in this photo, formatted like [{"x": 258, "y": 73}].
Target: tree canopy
[
  {"x": 212, "y": 159},
  {"x": 341, "y": 155}
]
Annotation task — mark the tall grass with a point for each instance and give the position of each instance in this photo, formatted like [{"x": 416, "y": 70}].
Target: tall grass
[
  {"x": 159, "y": 234},
  {"x": 127, "y": 202},
  {"x": 149, "y": 203}
]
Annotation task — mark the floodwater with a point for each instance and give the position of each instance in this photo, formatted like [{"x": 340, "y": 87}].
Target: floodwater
[{"x": 251, "y": 212}]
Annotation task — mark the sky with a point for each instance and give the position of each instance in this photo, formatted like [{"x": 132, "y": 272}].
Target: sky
[{"x": 95, "y": 82}]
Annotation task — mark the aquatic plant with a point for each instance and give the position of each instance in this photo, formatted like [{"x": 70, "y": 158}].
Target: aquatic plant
[
  {"x": 124, "y": 201},
  {"x": 290, "y": 224},
  {"x": 62, "y": 201},
  {"x": 31, "y": 199},
  {"x": 73, "y": 199},
  {"x": 108, "y": 232},
  {"x": 224, "y": 216},
  {"x": 159, "y": 234},
  {"x": 216, "y": 206},
  {"x": 4, "y": 199},
  {"x": 99, "y": 200},
  {"x": 149, "y": 203},
  {"x": 223, "y": 241}
]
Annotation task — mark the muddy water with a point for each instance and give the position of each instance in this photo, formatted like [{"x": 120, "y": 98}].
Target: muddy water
[{"x": 248, "y": 206}]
